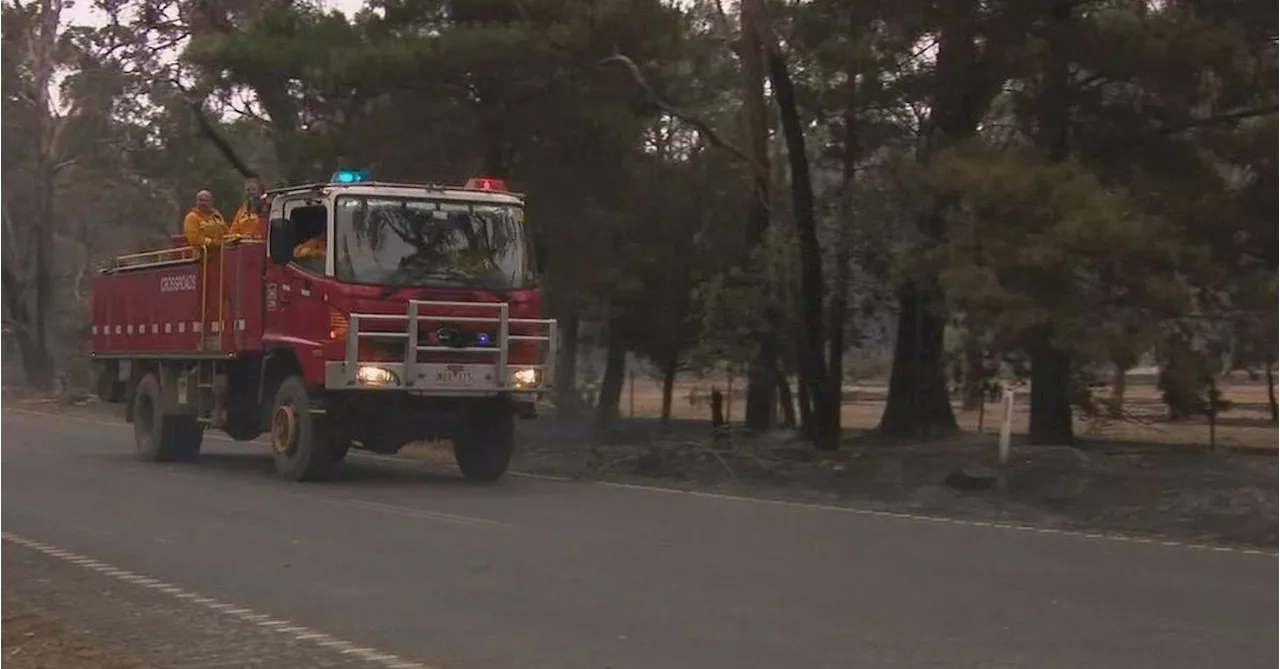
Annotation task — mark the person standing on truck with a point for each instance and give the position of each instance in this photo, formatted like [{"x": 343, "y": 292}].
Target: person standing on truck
[
  {"x": 247, "y": 222},
  {"x": 204, "y": 225}
]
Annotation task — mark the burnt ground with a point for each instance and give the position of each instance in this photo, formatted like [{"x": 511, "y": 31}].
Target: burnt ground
[{"x": 1159, "y": 490}]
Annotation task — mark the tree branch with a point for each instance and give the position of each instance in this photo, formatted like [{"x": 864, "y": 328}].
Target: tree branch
[
  {"x": 706, "y": 131},
  {"x": 1225, "y": 118},
  {"x": 224, "y": 147}
]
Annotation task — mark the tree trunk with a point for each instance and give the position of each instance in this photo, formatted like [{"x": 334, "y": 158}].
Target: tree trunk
[
  {"x": 615, "y": 372},
  {"x": 37, "y": 367},
  {"x": 1271, "y": 389},
  {"x": 826, "y": 435},
  {"x": 975, "y": 375},
  {"x": 1119, "y": 381},
  {"x": 785, "y": 402},
  {"x": 1051, "y": 411},
  {"x": 964, "y": 83},
  {"x": 805, "y": 406},
  {"x": 918, "y": 405},
  {"x": 38, "y": 364},
  {"x": 760, "y": 382},
  {"x": 840, "y": 289},
  {"x": 668, "y": 386},
  {"x": 1051, "y": 414},
  {"x": 568, "y": 401}
]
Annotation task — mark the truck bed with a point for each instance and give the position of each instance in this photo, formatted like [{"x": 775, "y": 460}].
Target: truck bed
[{"x": 166, "y": 304}]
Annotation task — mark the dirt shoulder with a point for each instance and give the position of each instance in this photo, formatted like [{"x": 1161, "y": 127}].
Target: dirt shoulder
[
  {"x": 37, "y": 640},
  {"x": 1164, "y": 491}
]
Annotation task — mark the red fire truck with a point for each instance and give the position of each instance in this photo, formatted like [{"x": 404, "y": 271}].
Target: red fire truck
[{"x": 413, "y": 314}]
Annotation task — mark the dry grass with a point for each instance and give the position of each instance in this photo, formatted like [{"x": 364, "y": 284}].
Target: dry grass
[{"x": 1246, "y": 424}]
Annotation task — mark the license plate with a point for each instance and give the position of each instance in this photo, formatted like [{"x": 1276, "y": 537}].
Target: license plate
[{"x": 453, "y": 377}]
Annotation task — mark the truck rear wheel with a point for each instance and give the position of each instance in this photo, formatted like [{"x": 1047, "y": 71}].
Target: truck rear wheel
[
  {"x": 160, "y": 436},
  {"x": 303, "y": 447},
  {"x": 484, "y": 446}
]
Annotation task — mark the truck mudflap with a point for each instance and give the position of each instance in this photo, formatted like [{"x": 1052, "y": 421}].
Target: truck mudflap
[{"x": 524, "y": 382}]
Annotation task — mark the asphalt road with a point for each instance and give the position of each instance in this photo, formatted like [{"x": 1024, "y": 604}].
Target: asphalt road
[{"x": 535, "y": 574}]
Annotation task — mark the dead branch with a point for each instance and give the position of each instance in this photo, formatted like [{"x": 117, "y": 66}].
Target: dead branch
[
  {"x": 224, "y": 147},
  {"x": 700, "y": 126}
]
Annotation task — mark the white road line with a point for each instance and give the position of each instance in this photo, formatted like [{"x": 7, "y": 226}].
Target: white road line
[
  {"x": 291, "y": 630},
  {"x": 812, "y": 506}
]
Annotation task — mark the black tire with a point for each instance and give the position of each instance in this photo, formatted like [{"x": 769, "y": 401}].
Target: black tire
[
  {"x": 338, "y": 450},
  {"x": 483, "y": 447},
  {"x": 242, "y": 426},
  {"x": 304, "y": 450},
  {"x": 110, "y": 388},
  {"x": 161, "y": 437}
]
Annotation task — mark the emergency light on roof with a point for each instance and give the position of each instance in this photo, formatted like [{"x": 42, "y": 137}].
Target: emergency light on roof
[
  {"x": 349, "y": 176},
  {"x": 486, "y": 183}
]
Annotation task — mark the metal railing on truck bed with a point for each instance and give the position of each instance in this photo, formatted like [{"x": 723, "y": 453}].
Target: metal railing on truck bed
[
  {"x": 148, "y": 259},
  {"x": 448, "y": 377}
]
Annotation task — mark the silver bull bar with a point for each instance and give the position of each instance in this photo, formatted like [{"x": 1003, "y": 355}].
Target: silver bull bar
[{"x": 446, "y": 378}]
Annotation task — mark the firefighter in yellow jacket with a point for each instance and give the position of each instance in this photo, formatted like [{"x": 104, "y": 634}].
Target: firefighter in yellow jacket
[
  {"x": 247, "y": 222},
  {"x": 204, "y": 225}
]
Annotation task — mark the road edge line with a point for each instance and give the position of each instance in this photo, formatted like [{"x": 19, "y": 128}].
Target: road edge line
[{"x": 296, "y": 632}]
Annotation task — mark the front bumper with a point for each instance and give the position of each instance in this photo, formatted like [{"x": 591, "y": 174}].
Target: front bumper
[{"x": 448, "y": 379}]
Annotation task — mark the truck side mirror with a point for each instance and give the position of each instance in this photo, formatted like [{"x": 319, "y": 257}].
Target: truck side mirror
[{"x": 280, "y": 241}]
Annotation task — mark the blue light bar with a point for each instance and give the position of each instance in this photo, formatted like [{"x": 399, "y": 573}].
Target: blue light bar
[{"x": 349, "y": 176}]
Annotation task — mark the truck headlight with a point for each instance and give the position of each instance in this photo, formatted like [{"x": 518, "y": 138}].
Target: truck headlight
[
  {"x": 368, "y": 375},
  {"x": 526, "y": 378}
]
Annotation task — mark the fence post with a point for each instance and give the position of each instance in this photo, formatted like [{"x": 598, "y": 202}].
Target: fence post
[{"x": 1006, "y": 436}]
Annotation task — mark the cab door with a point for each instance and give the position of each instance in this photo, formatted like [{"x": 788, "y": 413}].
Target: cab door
[{"x": 294, "y": 306}]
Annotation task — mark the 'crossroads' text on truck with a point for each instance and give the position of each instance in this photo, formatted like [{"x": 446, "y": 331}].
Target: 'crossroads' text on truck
[{"x": 416, "y": 315}]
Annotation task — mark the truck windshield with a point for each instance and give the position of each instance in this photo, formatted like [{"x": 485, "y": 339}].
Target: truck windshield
[{"x": 394, "y": 241}]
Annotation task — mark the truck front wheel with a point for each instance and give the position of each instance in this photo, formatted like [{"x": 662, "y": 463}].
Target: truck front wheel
[
  {"x": 301, "y": 443},
  {"x": 160, "y": 436},
  {"x": 483, "y": 446}
]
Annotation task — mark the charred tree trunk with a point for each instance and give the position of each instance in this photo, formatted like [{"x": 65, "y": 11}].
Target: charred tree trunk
[
  {"x": 669, "y": 370},
  {"x": 497, "y": 153},
  {"x": 1119, "y": 383},
  {"x": 1051, "y": 411},
  {"x": 785, "y": 401},
  {"x": 918, "y": 404},
  {"x": 567, "y": 399},
  {"x": 615, "y": 372},
  {"x": 1051, "y": 414},
  {"x": 839, "y": 305},
  {"x": 1271, "y": 390},
  {"x": 805, "y": 408},
  {"x": 974, "y": 383},
  {"x": 826, "y": 432},
  {"x": 37, "y": 364},
  {"x": 760, "y": 377}
]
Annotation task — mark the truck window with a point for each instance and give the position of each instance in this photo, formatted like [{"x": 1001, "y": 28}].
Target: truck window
[
  {"x": 394, "y": 241},
  {"x": 310, "y": 219}
]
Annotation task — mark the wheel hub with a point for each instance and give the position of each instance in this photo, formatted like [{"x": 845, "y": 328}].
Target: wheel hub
[{"x": 284, "y": 430}]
